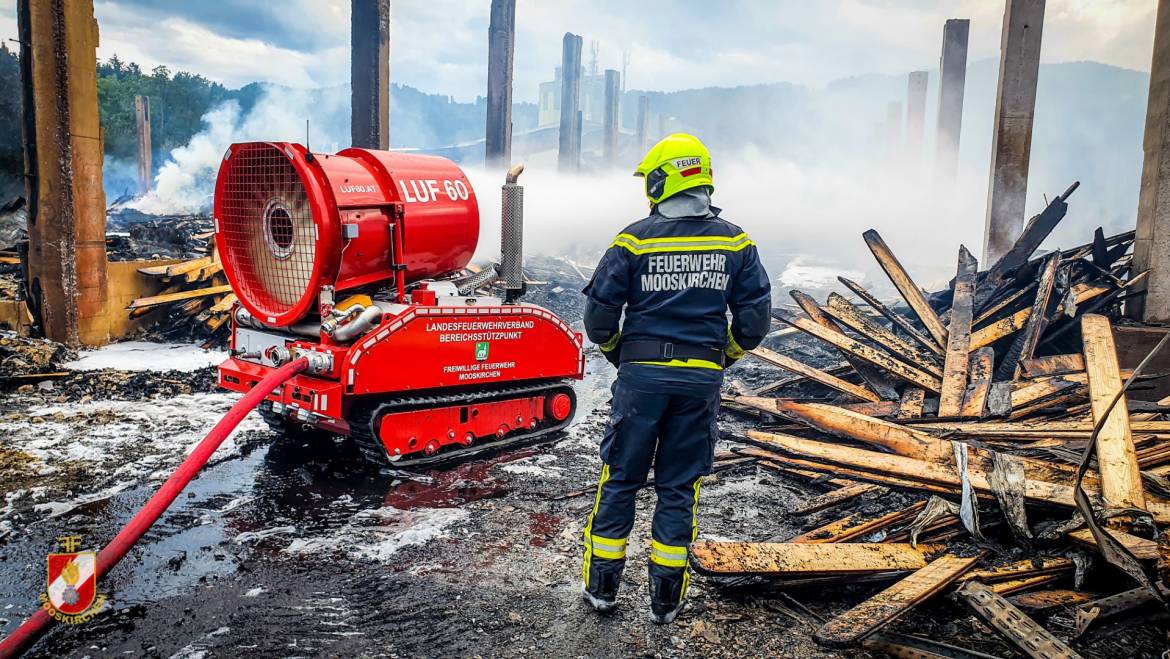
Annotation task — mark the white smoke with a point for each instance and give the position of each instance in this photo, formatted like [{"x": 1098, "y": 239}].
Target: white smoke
[
  {"x": 186, "y": 181},
  {"x": 806, "y": 220}
]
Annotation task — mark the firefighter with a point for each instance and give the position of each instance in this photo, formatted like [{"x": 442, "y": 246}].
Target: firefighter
[{"x": 675, "y": 274}]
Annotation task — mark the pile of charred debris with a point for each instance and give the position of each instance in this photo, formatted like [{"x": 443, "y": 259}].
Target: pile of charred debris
[{"x": 992, "y": 422}]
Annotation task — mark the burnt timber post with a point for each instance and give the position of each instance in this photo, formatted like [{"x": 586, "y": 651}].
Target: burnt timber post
[
  {"x": 612, "y": 95},
  {"x": 569, "y": 152},
  {"x": 643, "y": 118},
  {"x": 1151, "y": 250},
  {"x": 1015, "y": 108},
  {"x": 915, "y": 111},
  {"x": 142, "y": 116},
  {"x": 501, "y": 50},
  {"x": 951, "y": 86},
  {"x": 62, "y": 140},
  {"x": 369, "y": 73}
]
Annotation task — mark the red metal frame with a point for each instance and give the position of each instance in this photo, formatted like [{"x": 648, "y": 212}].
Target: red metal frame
[{"x": 431, "y": 348}]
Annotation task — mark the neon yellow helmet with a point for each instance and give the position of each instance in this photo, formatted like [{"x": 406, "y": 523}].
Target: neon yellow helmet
[{"x": 679, "y": 162}]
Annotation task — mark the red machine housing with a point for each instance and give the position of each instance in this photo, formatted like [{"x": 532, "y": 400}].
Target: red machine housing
[
  {"x": 437, "y": 368},
  {"x": 282, "y": 216}
]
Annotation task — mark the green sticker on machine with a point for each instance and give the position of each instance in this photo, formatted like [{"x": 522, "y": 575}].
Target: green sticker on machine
[{"x": 481, "y": 351}]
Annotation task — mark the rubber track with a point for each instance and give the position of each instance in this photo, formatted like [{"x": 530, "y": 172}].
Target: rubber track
[{"x": 362, "y": 425}]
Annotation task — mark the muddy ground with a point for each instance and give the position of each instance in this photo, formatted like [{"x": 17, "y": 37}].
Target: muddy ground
[{"x": 293, "y": 547}]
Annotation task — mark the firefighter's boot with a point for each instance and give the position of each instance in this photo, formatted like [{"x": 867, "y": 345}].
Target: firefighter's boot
[
  {"x": 602, "y": 586},
  {"x": 666, "y": 595}
]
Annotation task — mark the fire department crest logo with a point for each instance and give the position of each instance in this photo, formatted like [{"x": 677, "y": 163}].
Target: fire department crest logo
[
  {"x": 481, "y": 351},
  {"x": 71, "y": 594}
]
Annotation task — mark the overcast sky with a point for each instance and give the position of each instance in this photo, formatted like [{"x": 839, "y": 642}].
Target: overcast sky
[{"x": 440, "y": 46}]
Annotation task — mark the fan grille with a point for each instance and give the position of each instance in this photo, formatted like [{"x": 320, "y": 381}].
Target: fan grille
[{"x": 268, "y": 236}]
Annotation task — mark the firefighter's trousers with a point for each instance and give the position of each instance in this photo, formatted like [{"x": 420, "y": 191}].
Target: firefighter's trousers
[{"x": 676, "y": 435}]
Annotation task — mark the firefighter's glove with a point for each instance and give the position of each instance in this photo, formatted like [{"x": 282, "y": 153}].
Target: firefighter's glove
[
  {"x": 612, "y": 350},
  {"x": 732, "y": 352}
]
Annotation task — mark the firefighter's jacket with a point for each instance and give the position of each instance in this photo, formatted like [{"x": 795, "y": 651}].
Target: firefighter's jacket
[{"x": 676, "y": 274}]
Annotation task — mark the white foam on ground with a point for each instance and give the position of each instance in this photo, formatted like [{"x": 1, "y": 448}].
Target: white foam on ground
[
  {"x": 121, "y": 443},
  {"x": 147, "y": 356},
  {"x": 381, "y": 533},
  {"x": 257, "y": 536},
  {"x": 806, "y": 272},
  {"x": 537, "y": 465}
]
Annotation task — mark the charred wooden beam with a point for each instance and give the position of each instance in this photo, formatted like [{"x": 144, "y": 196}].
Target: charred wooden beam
[
  {"x": 872, "y": 355},
  {"x": 847, "y": 314},
  {"x": 849, "y": 628},
  {"x": 1121, "y": 480},
  {"x": 980, "y": 374},
  {"x": 954, "y": 381},
  {"x": 873, "y": 377},
  {"x": 910, "y": 291},
  {"x": 894, "y": 317},
  {"x": 816, "y": 375},
  {"x": 784, "y": 559}
]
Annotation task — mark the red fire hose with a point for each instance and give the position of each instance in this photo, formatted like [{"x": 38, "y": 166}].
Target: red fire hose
[{"x": 27, "y": 634}]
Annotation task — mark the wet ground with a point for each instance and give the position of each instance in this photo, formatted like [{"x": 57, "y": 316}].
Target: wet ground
[{"x": 287, "y": 547}]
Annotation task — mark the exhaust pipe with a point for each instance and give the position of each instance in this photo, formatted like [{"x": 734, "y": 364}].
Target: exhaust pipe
[
  {"x": 369, "y": 317},
  {"x": 512, "y": 236}
]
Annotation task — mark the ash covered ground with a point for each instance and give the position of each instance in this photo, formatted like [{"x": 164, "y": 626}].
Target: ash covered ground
[{"x": 292, "y": 546}]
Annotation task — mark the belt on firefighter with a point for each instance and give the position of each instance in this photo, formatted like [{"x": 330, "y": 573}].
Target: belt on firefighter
[{"x": 653, "y": 351}]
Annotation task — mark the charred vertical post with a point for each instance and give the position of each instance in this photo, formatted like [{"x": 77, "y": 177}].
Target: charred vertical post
[
  {"x": 1015, "y": 107},
  {"x": 643, "y": 119},
  {"x": 612, "y": 94},
  {"x": 63, "y": 157},
  {"x": 915, "y": 111},
  {"x": 142, "y": 116},
  {"x": 501, "y": 51},
  {"x": 951, "y": 86},
  {"x": 369, "y": 73},
  {"x": 893, "y": 127},
  {"x": 1151, "y": 249},
  {"x": 569, "y": 154}
]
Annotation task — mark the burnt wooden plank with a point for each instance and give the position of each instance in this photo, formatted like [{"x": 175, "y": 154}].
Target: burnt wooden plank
[
  {"x": 847, "y": 314},
  {"x": 837, "y": 497},
  {"x": 872, "y": 355},
  {"x": 1052, "y": 365},
  {"x": 851, "y": 627},
  {"x": 816, "y": 375},
  {"x": 1030, "y": 239},
  {"x": 911, "y": 403},
  {"x": 1121, "y": 480},
  {"x": 874, "y": 379},
  {"x": 1044, "y": 481},
  {"x": 954, "y": 380},
  {"x": 1025, "y": 343},
  {"x": 1006, "y": 302},
  {"x": 1141, "y": 548},
  {"x": 1011, "y": 324},
  {"x": 894, "y": 317},
  {"x": 858, "y": 525},
  {"x": 846, "y": 423},
  {"x": 789, "y": 558},
  {"x": 981, "y": 374},
  {"x": 910, "y": 291}
]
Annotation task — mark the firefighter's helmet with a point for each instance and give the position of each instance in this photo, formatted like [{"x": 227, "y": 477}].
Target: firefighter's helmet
[{"x": 679, "y": 162}]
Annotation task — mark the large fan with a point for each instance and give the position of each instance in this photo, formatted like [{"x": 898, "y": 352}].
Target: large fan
[{"x": 267, "y": 230}]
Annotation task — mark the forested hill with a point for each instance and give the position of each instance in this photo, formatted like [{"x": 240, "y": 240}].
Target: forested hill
[{"x": 180, "y": 100}]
